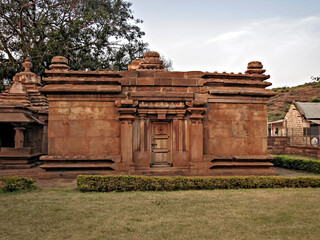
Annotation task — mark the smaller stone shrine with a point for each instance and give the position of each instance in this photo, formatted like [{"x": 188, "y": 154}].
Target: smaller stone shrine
[
  {"x": 23, "y": 121},
  {"x": 151, "y": 121}
]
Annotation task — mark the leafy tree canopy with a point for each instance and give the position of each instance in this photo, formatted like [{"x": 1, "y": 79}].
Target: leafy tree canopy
[
  {"x": 92, "y": 34},
  {"x": 316, "y": 79}
]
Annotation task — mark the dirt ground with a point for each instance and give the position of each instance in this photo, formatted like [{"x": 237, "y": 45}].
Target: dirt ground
[{"x": 56, "y": 183}]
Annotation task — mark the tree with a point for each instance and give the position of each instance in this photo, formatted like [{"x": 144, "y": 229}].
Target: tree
[
  {"x": 167, "y": 62},
  {"x": 316, "y": 79},
  {"x": 92, "y": 34}
]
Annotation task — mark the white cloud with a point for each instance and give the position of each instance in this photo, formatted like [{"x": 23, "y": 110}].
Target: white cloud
[
  {"x": 226, "y": 36},
  {"x": 289, "y": 49}
]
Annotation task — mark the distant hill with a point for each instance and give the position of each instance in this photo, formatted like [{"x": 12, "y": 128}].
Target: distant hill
[{"x": 279, "y": 104}]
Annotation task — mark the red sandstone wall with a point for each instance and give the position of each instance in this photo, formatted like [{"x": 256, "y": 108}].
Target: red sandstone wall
[
  {"x": 83, "y": 128},
  {"x": 235, "y": 129}
]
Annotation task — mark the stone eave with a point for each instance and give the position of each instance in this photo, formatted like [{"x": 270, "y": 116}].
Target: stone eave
[
  {"x": 260, "y": 77},
  {"x": 236, "y": 82},
  {"x": 101, "y": 80},
  {"x": 242, "y": 91},
  {"x": 162, "y": 96},
  {"x": 69, "y": 73},
  {"x": 70, "y": 88},
  {"x": 18, "y": 117}
]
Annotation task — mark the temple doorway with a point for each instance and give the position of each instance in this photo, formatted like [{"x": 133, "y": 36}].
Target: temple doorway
[{"x": 161, "y": 154}]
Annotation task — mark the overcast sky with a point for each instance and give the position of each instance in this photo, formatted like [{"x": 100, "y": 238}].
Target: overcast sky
[{"x": 212, "y": 35}]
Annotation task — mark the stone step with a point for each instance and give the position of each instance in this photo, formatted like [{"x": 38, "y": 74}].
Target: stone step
[
  {"x": 218, "y": 164},
  {"x": 52, "y": 166},
  {"x": 160, "y": 165},
  {"x": 17, "y": 161},
  {"x": 163, "y": 171},
  {"x": 243, "y": 172},
  {"x": 30, "y": 172},
  {"x": 70, "y": 159},
  {"x": 19, "y": 166}
]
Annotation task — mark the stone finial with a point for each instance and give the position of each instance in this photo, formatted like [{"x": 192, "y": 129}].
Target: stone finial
[
  {"x": 27, "y": 65},
  {"x": 151, "y": 61},
  {"x": 135, "y": 64},
  {"x": 59, "y": 63},
  {"x": 26, "y": 76},
  {"x": 255, "y": 67}
]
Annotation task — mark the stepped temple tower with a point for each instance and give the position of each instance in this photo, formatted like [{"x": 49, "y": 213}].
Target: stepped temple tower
[{"x": 23, "y": 121}]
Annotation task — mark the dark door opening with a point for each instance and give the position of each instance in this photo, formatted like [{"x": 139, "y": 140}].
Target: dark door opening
[{"x": 6, "y": 135}]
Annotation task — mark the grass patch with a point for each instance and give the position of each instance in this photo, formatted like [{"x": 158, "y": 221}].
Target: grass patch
[
  {"x": 221, "y": 214},
  {"x": 284, "y": 172}
]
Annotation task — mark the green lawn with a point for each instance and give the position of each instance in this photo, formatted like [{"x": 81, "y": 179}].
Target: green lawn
[{"x": 220, "y": 214}]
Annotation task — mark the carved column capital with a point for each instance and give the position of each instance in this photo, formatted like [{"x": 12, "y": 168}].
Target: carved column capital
[
  {"x": 142, "y": 116},
  {"x": 197, "y": 113},
  {"x": 126, "y": 114}
]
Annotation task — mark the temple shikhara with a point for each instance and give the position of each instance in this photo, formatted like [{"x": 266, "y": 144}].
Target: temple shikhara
[{"x": 146, "y": 120}]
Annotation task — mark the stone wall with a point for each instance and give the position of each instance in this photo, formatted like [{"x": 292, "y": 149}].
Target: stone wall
[
  {"x": 78, "y": 127},
  {"x": 303, "y": 151},
  {"x": 235, "y": 129},
  {"x": 276, "y": 145}
]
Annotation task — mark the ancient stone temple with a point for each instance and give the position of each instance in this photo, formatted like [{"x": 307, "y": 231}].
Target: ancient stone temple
[
  {"x": 148, "y": 120},
  {"x": 23, "y": 121}
]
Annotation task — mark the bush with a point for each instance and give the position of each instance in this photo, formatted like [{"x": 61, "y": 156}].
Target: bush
[
  {"x": 315, "y": 99},
  {"x": 13, "y": 183},
  {"x": 297, "y": 164},
  {"x": 106, "y": 183}
]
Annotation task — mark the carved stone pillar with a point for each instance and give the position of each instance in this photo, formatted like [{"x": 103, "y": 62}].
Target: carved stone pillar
[
  {"x": 178, "y": 133},
  {"x": 181, "y": 132},
  {"x": 142, "y": 133},
  {"x": 126, "y": 117},
  {"x": 196, "y": 134},
  {"x": 19, "y": 137}
]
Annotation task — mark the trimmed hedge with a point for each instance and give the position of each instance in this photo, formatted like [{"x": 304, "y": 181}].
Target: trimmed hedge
[
  {"x": 13, "y": 183},
  {"x": 297, "y": 164},
  {"x": 108, "y": 183}
]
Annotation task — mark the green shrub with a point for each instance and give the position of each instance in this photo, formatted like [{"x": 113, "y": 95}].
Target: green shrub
[
  {"x": 108, "y": 183},
  {"x": 315, "y": 99},
  {"x": 13, "y": 183},
  {"x": 297, "y": 164}
]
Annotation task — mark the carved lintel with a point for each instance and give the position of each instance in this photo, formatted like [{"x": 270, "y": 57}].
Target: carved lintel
[
  {"x": 162, "y": 111},
  {"x": 161, "y": 105},
  {"x": 161, "y": 116}
]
